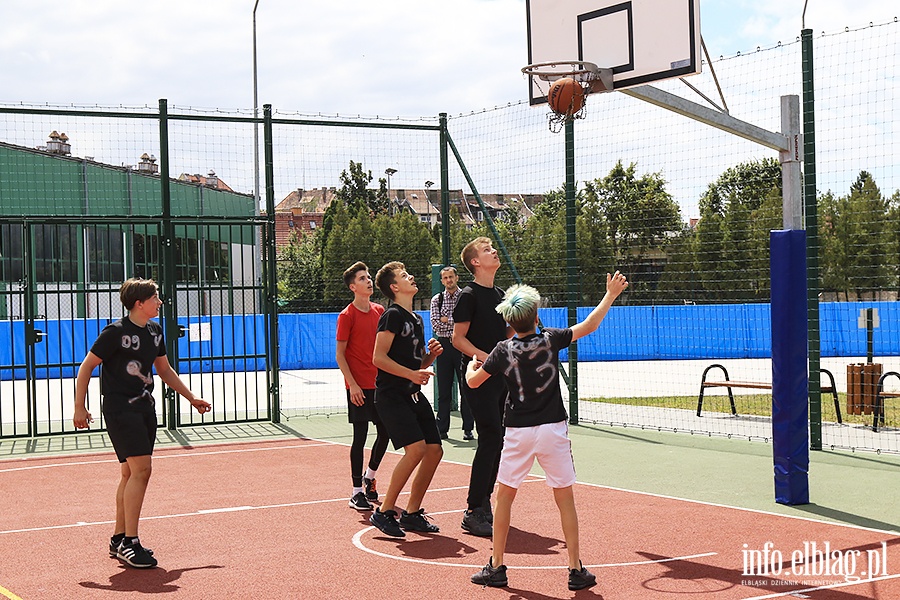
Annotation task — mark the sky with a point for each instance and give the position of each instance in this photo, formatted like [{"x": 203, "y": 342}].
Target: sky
[
  {"x": 357, "y": 58},
  {"x": 353, "y": 57}
]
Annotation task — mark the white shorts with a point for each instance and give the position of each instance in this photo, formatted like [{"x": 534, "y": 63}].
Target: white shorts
[{"x": 548, "y": 443}]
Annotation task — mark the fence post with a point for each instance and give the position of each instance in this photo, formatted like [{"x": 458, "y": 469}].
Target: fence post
[
  {"x": 168, "y": 269},
  {"x": 270, "y": 264},
  {"x": 810, "y": 202},
  {"x": 445, "y": 193},
  {"x": 572, "y": 286}
]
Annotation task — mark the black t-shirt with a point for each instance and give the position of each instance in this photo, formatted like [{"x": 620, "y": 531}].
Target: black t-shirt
[
  {"x": 407, "y": 349},
  {"x": 126, "y": 375},
  {"x": 530, "y": 368},
  {"x": 476, "y": 306}
]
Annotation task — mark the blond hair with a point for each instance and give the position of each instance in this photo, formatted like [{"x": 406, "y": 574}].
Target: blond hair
[{"x": 470, "y": 251}]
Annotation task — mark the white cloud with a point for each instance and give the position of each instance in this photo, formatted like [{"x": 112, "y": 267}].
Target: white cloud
[{"x": 407, "y": 58}]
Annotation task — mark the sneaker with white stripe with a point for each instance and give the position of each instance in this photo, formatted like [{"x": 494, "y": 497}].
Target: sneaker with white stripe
[{"x": 135, "y": 555}]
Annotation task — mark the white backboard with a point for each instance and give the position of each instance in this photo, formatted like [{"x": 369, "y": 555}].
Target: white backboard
[{"x": 642, "y": 41}]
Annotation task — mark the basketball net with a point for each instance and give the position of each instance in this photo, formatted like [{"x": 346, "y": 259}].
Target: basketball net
[{"x": 591, "y": 78}]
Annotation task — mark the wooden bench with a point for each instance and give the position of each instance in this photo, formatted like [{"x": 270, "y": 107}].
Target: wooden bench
[
  {"x": 880, "y": 395},
  {"x": 756, "y": 385}
]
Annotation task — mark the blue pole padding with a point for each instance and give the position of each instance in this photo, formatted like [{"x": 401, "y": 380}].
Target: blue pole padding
[{"x": 790, "y": 377}]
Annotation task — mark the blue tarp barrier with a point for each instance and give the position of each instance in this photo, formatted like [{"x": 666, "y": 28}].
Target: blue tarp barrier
[{"x": 306, "y": 341}]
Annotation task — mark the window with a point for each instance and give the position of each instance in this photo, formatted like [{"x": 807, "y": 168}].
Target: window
[
  {"x": 106, "y": 254},
  {"x": 56, "y": 253},
  {"x": 12, "y": 261},
  {"x": 146, "y": 255},
  {"x": 187, "y": 260},
  {"x": 216, "y": 260}
]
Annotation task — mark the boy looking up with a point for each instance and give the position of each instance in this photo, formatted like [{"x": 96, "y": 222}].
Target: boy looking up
[{"x": 402, "y": 359}]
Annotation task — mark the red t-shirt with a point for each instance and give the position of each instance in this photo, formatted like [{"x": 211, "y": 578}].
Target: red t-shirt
[{"x": 358, "y": 329}]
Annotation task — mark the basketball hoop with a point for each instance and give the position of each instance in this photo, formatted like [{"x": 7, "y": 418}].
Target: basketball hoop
[{"x": 591, "y": 78}]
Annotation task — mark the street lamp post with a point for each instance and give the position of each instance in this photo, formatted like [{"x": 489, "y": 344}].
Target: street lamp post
[
  {"x": 390, "y": 171},
  {"x": 255, "y": 116},
  {"x": 428, "y": 185}
]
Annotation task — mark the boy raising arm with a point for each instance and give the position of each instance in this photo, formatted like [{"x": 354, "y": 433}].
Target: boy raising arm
[{"x": 535, "y": 419}]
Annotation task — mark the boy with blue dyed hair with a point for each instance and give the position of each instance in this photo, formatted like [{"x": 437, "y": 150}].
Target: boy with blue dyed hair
[{"x": 535, "y": 419}]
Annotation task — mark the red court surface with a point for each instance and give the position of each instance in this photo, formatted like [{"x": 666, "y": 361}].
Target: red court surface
[{"x": 270, "y": 520}]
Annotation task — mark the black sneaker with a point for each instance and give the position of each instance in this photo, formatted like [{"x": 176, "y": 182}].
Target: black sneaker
[
  {"x": 135, "y": 555},
  {"x": 475, "y": 522},
  {"x": 114, "y": 548},
  {"x": 417, "y": 521},
  {"x": 359, "y": 502},
  {"x": 371, "y": 492},
  {"x": 445, "y": 435},
  {"x": 386, "y": 522},
  {"x": 488, "y": 513},
  {"x": 491, "y": 577},
  {"x": 580, "y": 579},
  {"x": 468, "y": 436}
]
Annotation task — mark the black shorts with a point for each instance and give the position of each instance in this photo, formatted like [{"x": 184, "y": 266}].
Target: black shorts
[
  {"x": 364, "y": 413},
  {"x": 407, "y": 421},
  {"x": 132, "y": 432}
]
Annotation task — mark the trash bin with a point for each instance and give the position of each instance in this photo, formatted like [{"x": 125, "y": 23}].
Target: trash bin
[{"x": 862, "y": 384}]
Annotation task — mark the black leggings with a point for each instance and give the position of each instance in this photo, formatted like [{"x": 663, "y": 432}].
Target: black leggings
[
  {"x": 486, "y": 403},
  {"x": 360, "y": 433}
]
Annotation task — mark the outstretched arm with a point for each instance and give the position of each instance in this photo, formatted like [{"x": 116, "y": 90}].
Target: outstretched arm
[
  {"x": 171, "y": 379},
  {"x": 615, "y": 285}
]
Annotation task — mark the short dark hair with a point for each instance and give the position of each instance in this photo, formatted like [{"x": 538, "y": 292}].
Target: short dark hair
[
  {"x": 136, "y": 290},
  {"x": 386, "y": 277},
  {"x": 449, "y": 268},
  {"x": 352, "y": 270}
]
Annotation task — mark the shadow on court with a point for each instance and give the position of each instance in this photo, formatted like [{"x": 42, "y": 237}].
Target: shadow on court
[
  {"x": 146, "y": 581},
  {"x": 845, "y": 517},
  {"x": 692, "y": 577}
]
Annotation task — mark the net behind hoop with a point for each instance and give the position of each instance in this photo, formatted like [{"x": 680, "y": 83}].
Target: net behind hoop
[{"x": 591, "y": 77}]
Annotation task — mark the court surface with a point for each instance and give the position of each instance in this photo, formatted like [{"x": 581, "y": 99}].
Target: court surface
[{"x": 269, "y": 519}]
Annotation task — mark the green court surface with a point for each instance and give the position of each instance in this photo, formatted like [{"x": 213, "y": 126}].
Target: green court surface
[{"x": 859, "y": 489}]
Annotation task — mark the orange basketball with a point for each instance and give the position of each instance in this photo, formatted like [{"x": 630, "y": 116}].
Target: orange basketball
[{"x": 566, "y": 96}]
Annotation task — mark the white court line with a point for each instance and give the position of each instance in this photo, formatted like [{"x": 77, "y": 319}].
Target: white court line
[
  {"x": 824, "y": 587},
  {"x": 161, "y": 456},
  {"x": 750, "y": 510},
  {"x": 207, "y": 511},
  {"x": 357, "y": 537},
  {"x": 319, "y": 443},
  {"x": 357, "y": 541}
]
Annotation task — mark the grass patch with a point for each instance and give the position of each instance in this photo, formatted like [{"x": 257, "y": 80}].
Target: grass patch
[{"x": 749, "y": 404}]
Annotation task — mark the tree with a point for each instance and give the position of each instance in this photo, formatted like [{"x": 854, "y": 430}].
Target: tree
[
  {"x": 639, "y": 215},
  {"x": 355, "y": 191},
  {"x": 860, "y": 221},
  {"x": 403, "y": 237},
  {"x": 300, "y": 274},
  {"x": 343, "y": 248},
  {"x": 737, "y": 211}
]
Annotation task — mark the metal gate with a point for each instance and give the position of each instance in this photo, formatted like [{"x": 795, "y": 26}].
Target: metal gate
[{"x": 59, "y": 281}]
